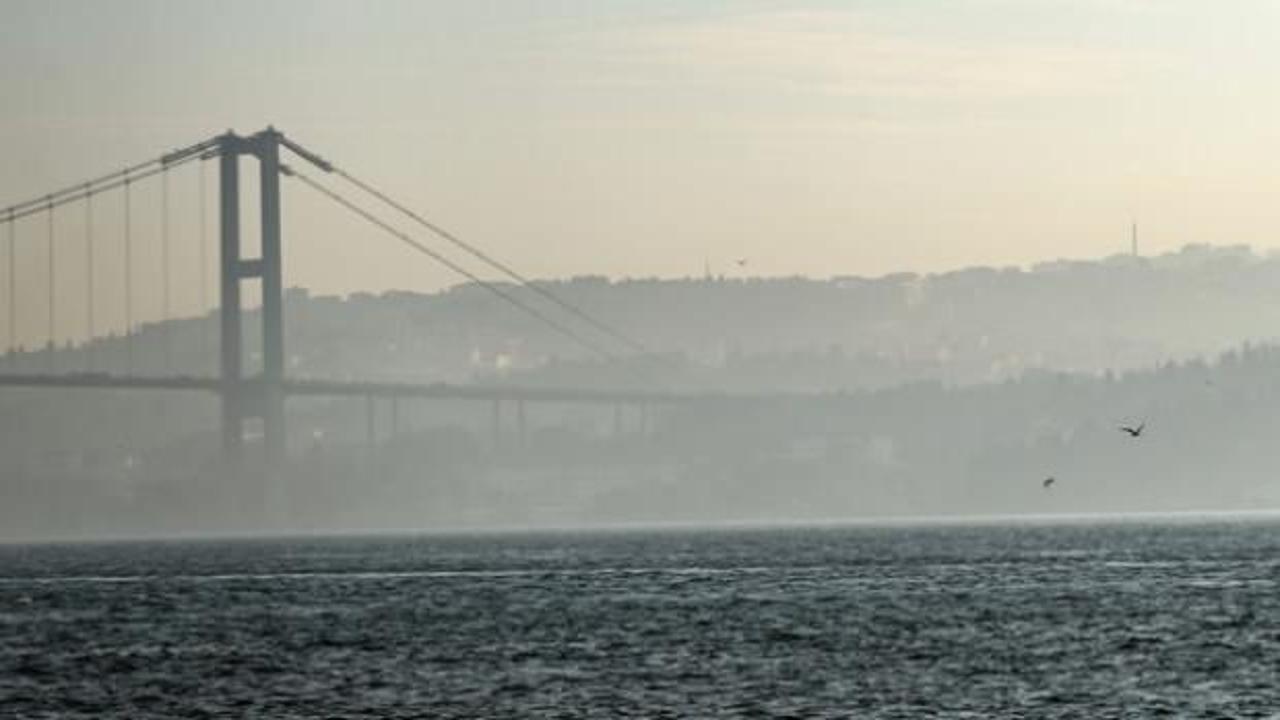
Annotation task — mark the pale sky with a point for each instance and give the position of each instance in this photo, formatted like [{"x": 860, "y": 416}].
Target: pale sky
[{"x": 640, "y": 137}]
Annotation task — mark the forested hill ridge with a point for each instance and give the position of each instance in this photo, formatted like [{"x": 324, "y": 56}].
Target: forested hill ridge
[{"x": 744, "y": 333}]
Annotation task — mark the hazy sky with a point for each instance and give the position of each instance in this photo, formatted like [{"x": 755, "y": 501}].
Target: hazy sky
[{"x": 644, "y": 137}]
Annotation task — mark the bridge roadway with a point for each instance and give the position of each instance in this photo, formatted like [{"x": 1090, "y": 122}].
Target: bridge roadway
[{"x": 339, "y": 388}]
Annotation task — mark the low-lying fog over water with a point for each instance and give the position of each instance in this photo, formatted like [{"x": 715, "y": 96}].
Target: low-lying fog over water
[{"x": 1083, "y": 619}]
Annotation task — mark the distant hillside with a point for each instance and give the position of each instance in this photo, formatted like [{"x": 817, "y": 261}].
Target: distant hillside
[
  {"x": 730, "y": 333},
  {"x": 959, "y": 394},
  {"x": 80, "y": 463}
]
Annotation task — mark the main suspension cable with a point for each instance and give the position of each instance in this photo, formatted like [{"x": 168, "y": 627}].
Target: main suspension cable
[
  {"x": 474, "y": 251},
  {"x": 405, "y": 238},
  {"x": 169, "y": 160},
  {"x": 494, "y": 263},
  {"x": 84, "y": 190}
]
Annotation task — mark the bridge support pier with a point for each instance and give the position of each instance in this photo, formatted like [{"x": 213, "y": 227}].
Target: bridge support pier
[
  {"x": 522, "y": 426},
  {"x": 370, "y": 429},
  {"x": 394, "y": 412},
  {"x": 495, "y": 422}
]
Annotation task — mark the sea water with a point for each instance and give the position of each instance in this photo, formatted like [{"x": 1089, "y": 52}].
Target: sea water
[{"x": 1081, "y": 619}]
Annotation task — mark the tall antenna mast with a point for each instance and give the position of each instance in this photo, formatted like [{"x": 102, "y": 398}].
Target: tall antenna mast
[{"x": 1133, "y": 238}]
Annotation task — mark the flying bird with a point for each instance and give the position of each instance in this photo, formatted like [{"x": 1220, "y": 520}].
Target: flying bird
[
  {"x": 742, "y": 262},
  {"x": 1134, "y": 432},
  {"x": 1048, "y": 482}
]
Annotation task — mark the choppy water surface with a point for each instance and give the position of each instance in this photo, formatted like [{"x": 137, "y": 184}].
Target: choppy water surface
[{"x": 1122, "y": 620}]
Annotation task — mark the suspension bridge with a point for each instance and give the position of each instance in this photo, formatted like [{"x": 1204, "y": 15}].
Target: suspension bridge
[{"x": 258, "y": 397}]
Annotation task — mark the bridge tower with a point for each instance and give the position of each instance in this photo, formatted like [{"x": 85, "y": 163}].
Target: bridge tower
[{"x": 260, "y": 396}]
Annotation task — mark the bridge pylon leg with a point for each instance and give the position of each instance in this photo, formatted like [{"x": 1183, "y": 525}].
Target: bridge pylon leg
[
  {"x": 231, "y": 354},
  {"x": 244, "y": 398},
  {"x": 273, "y": 427}
]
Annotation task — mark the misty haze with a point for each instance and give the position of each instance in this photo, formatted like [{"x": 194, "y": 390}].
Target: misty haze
[
  {"x": 429, "y": 359},
  {"x": 755, "y": 400}
]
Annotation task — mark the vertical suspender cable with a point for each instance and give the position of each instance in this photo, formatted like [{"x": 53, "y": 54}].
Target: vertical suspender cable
[
  {"x": 204, "y": 265},
  {"x": 164, "y": 269},
  {"x": 128, "y": 278},
  {"x": 90, "y": 329},
  {"x": 13, "y": 288},
  {"x": 53, "y": 338}
]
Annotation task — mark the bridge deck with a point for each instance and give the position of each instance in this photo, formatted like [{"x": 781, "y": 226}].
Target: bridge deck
[{"x": 338, "y": 388}]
